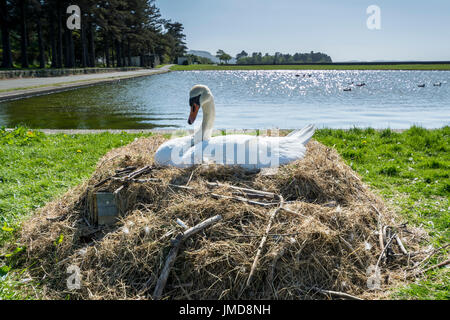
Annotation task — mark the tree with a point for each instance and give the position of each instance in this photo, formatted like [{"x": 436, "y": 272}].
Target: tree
[
  {"x": 112, "y": 31},
  {"x": 175, "y": 39},
  {"x": 243, "y": 54},
  {"x": 280, "y": 58},
  {"x": 23, "y": 33},
  {"x": 37, "y": 7},
  {"x": 219, "y": 53},
  {"x": 192, "y": 58},
  {"x": 223, "y": 56},
  {"x": 4, "y": 25}
]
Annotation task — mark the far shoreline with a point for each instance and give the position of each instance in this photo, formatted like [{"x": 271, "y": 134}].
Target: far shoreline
[{"x": 337, "y": 66}]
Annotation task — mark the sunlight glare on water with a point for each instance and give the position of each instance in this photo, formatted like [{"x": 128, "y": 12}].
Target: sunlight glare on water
[{"x": 247, "y": 99}]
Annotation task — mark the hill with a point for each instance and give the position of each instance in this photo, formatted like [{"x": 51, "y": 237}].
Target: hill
[{"x": 208, "y": 55}]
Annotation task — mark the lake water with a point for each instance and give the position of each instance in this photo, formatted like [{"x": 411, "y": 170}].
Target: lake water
[{"x": 247, "y": 99}]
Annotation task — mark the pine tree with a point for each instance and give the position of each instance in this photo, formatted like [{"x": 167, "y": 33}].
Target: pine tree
[{"x": 5, "y": 20}]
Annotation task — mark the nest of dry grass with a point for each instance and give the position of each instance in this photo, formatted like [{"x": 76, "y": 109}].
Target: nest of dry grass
[{"x": 327, "y": 240}]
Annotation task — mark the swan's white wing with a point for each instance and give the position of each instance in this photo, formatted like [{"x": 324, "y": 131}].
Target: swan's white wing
[
  {"x": 229, "y": 150},
  {"x": 170, "y": 151},
  {"x": 290, "y": 149},
  {"x": 305, "y": 132},
  {"x": 247, "y": 151}
]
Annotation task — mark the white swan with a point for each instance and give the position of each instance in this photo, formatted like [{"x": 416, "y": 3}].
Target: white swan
[{"x": 247, "y": 151}]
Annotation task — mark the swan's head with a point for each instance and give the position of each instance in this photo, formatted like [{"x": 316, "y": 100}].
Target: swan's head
[{"x": 198, "y": 96}]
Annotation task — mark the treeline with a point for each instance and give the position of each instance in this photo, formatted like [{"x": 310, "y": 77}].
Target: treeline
[
  {"x": 192, "y": 58},
  {"x": 34, "y": 34},
  {"x": 280, "y": 58}
]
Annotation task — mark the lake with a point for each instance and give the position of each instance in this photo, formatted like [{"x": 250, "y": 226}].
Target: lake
[{"x": 246, "y": 99}]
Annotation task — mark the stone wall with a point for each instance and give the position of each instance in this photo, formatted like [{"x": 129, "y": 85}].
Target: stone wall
[{"x": 10, "y": 74}]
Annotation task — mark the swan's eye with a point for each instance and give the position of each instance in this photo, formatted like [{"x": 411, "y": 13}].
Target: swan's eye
[{"x": 195, "y": 100}]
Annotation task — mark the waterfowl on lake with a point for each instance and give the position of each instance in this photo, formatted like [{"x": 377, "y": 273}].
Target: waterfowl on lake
[
  {"x": 348, "y": 89},
  {"x": 360, "y": 84},
  {"x": 421, "y": 85},
  {"x": 438, "y": 84},
  {"x": 247, "y": 151}
]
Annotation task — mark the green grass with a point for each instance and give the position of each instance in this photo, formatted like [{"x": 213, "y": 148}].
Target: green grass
[
  {"x": 409, "y": 169},
  {"x": 36, "y": 168},
  {"x": 436, "y": 286},
  {"x": 312, "y": 67}
]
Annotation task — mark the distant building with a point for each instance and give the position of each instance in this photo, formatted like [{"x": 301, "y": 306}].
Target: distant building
[{"x": 183, "y": 60}]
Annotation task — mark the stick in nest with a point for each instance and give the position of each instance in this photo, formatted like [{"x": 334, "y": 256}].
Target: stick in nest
[
  {"x": 446, "y": 262},
  {"x": 244, "y": 190},
  {"x": 138, "y": 173},
  {"x": 263, "y": 241},
  {"x": 400, "y": 245},
  {"x": 380, "y": 228},
  {"x": 176, "y": 244},
  {"x": 338, "y": 294},
  {"x": 388, "y": 244},
  {"x": 242, "y": 199}
]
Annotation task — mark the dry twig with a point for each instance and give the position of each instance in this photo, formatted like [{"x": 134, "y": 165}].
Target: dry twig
[
  {"x": 263, "y": 241},
  {"x": 176, "y": 244},
  {"x": 339, "y": 294}
]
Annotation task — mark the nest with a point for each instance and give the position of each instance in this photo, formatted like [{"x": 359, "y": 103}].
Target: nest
[{"x": 324, "y": 234}]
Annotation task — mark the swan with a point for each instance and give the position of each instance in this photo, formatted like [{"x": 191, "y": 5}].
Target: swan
[{"x": 246, "y": 151}]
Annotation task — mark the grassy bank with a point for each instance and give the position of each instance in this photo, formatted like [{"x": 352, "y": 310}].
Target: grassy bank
[
  {"x": 313, "y": 67},
  {"x": 409, "y": 169},
  {"x": 34, "y": 169}
]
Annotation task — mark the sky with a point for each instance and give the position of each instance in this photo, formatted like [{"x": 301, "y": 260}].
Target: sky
[{"x": 410, "y": 29}]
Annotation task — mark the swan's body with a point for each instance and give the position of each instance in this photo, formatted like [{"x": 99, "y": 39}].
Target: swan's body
[{"x": 249, "y": 152}]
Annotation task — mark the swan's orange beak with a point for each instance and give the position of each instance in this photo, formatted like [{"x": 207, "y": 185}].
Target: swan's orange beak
[{"x": 194, "y": 111}]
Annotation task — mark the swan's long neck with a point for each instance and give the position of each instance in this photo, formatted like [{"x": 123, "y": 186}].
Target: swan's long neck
[{"x": 209, "y": 115}]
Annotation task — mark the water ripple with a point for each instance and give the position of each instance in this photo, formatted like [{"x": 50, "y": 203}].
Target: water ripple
[{"x": 248, "y": 99}]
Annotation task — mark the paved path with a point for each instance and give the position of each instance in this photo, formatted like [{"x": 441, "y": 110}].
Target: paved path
[{"x": 24, "y": 87}]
